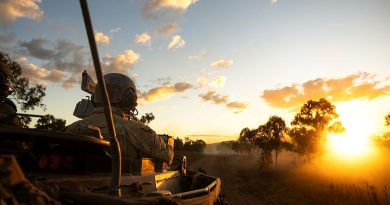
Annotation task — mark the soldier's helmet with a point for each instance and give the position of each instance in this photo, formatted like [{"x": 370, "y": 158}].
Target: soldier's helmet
[
  {"x": 5, "y": 81},
  {"x": 121, "y": 91}
]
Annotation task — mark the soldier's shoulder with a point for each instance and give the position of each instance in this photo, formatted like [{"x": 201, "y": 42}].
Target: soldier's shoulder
[
  {"x": 137, "y": 127},
  {"x": 6, "y": 105}
]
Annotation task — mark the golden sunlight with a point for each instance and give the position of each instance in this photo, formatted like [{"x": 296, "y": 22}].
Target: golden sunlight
[{"x": 355, "y": 142}]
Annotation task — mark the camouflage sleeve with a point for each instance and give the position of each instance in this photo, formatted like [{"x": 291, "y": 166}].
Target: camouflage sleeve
[{"x": 145, "y": 140}]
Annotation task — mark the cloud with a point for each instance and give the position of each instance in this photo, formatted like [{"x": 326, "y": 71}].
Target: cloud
[
  {"x": 219, "y": 81},
  {"x": 165, "y": 91},
  {"x": 35, "y": 48},
  {"x": 102, "y": 38},
  {"x": 274, "y": 1},
  {"x": 202, "y": 81},
  {"x": 120, "y": 63},
  {"x": 216, "y": 83},
  {"x": 221, "y": 63},
  {"x": 144, "y": 39},
  {"x": 200, "y": 56},
  {"x": 31, "y": 71},
  {"x": 71, "y": 82},
  {"x": 40, "y": 75},
  {"x": 176, "y": 42},
  {"x": 11, "y": 10},
  {"x": 215, "y": 98},
  {"x": 115, "y": 30},
  {"x": 356, "y": 86},
  {"x": 237, "y": 105},
  {"x": 167, "y": 29},
  {"x": 63, "y": 55},
  {"x": 179, "y": 6},
  {"x": 55, "y": 75}
]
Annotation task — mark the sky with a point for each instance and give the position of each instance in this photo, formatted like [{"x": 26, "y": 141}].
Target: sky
[{"x": 209, "y": 68}]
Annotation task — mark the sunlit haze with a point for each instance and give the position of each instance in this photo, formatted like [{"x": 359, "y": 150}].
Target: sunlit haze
[{"x": 208, "y": 68}]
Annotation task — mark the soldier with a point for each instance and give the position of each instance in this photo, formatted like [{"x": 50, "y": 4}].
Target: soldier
[
  {"x": 133, "y": 136},
  {"x": 7, "y": 107}
]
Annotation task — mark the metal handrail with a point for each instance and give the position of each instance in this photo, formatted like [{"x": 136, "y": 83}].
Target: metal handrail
[{"x": 115, "y": 148}]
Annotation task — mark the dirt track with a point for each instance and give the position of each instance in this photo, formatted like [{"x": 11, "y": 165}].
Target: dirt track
[{"x": 227, "y": 167}]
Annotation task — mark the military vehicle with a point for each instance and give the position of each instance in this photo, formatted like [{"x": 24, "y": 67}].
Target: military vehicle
[{"x": 48, "y": 167}]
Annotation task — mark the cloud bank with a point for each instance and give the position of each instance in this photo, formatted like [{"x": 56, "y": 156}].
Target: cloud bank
[
  {"x": 356, "y": 86},
  {"x": 11, "y": 10}
]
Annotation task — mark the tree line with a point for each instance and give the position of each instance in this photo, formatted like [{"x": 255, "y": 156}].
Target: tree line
[
  {"x": 305, "y": 136},
  {"x": 189, "y": 145}
]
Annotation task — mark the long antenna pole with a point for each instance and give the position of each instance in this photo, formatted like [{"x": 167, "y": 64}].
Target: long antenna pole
[{"x": 114, "y": 144}]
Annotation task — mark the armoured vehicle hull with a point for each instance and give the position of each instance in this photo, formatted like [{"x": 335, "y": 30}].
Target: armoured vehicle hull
[{"x": 75, "y": 169}]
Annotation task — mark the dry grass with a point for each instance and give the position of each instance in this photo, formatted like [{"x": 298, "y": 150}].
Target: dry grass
[{"x": 296, "y": 187}]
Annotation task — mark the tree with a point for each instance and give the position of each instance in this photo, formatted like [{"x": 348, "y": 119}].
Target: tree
[
  {"x": 387, "y": 120},
  {"x": 271, "y": 135},
  {"x": 49, "y": 122},
  {"x": 147, "y": 118},
  {"x": 178, "y": 144},
  {"x": 27, "y": 96},
  {"x": 247, "y": 138},
  {"x": 312, "y": 124},
  {"x": 194, "y": 146}
]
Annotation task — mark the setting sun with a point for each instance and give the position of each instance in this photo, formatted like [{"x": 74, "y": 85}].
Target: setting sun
[{"x": 355, "y": 141}]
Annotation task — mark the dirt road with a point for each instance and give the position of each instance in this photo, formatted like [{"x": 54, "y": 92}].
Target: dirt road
[{"x": 227, "y": 168}]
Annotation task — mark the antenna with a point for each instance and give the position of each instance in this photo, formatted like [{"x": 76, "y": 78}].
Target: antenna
[{"x": 114, "y": 144}]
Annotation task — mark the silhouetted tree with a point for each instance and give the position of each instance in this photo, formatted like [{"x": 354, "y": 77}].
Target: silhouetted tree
[
  {"x": 194, "y": 146},
  {"x": 263, "y": 141},
  {"x": 49, "y": 122},
  {"x": 147, "y": 118},
  {"x": 178, "y": 144},
  {"x": 247, "y": 138},
  {"x": 387, "y": 120},
  {"x": 28, "y": 97},
  {"x": 312, "y": 125},
  {"x": 271, "y": 135}
]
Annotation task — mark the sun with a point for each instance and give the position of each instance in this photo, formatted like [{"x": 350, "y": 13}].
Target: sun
[{"x": 355, "y": 142}]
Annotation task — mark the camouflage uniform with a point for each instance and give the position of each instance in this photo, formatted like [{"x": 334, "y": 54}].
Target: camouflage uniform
[{"x": 133, "y": 136}]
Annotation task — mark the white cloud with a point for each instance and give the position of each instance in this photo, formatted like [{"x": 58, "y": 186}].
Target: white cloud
[
  {"x": 102, "y": 38},
  {"x": 176, "y": 42},
  {"x": 221, "y": 63},
  {"x": 11, "y": 10},
  {"x": 120, "y": 63},
  {"x": 174, "y": 5},
  {"x": 144, "y": 39}
]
